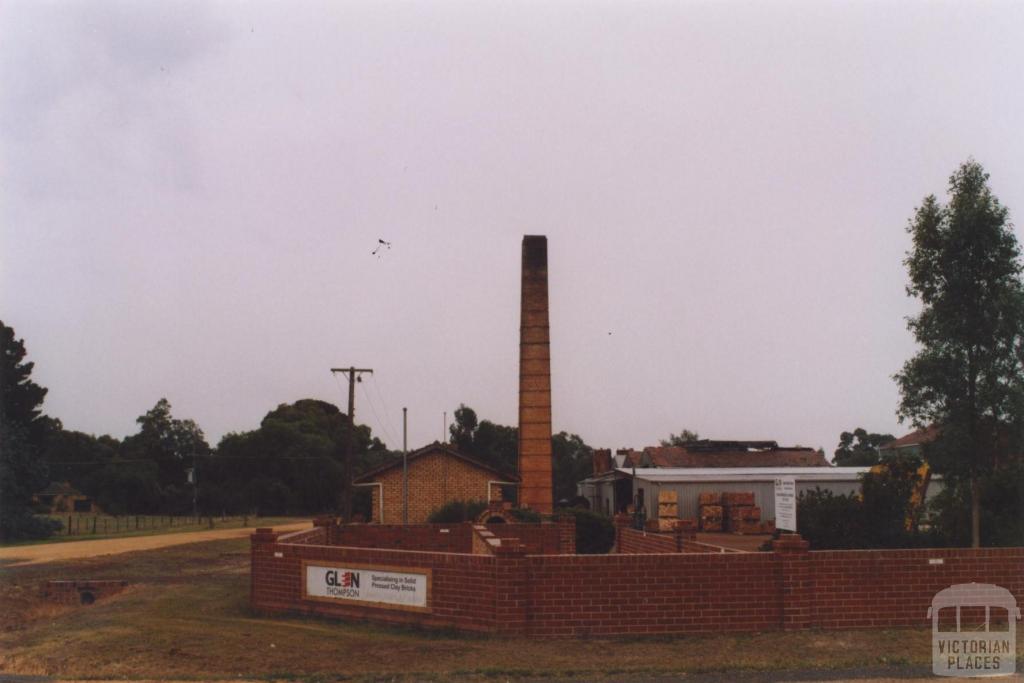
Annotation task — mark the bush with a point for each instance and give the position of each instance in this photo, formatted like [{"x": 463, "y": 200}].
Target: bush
[
  {"x": 874, "y": 519},
  {"x": 524, "y": 515},
  {"x": 1002, "y": 509},
  {"x": 22, "y": 525},
  {"x": 595, "y": 534},
  {"x": 457, "y": 511},
  {"x": 828, "y": 521}
]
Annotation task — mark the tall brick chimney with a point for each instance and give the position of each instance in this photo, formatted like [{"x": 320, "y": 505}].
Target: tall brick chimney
[{"x": 535, "y": 379}]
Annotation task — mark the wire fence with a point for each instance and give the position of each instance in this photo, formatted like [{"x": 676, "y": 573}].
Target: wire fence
[{"x": 113, "y": 525}]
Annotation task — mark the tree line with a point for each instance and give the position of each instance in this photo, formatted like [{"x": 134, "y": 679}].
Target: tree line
[{"x": 291, "y": 464}]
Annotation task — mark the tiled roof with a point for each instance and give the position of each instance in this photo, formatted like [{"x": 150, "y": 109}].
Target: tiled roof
[
  {"x": 917, "y": 437},
  {"x": 60, "y": 488},
  {"x": 680, "y": 456},
  {"x": 432, "y": 448}
]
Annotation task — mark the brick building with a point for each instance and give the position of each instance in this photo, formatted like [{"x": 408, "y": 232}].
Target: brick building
[
  {"x": 438, "y": 474},
  {"x": 60, "y": 497}
]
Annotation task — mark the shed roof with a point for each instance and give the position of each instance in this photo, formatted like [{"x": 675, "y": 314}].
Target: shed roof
[{"x": 668, "y": 475}]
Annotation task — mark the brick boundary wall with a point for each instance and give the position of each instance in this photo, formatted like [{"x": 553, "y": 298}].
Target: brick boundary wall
[
  {"x": 547, "y": 538},
  {"x": 517, "y": 593},
  {"x": 636, "y": 542}
]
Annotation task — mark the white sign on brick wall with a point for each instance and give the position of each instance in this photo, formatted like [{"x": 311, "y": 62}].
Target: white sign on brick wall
[
  {"x": 382, "y": 585},
  {"x": 785, "y": 503}
]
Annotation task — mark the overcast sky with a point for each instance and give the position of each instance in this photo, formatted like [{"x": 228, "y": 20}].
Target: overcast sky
[{"x": 191, "y": 193}]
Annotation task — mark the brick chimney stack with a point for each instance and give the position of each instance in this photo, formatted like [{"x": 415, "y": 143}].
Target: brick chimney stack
[{"x": 535, "y": 490}]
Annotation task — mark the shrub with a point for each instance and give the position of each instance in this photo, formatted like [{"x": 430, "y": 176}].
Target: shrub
[
  {"x": 828, "y": 521},
  {"x": 457, "y": 511},
  {"x": 22, "y": 525},
  {"x": 595, "y": 534},
  {"x": 524, "y": 515}
]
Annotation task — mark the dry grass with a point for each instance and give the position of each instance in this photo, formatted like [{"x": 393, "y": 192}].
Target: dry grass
[
  {"x": 186, "y": 616},
  {"x": 152, "y": 525}
]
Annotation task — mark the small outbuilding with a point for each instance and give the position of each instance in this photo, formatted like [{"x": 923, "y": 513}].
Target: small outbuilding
[
  {"x": 438, "y": 474},
  {"x": 61, "y": 497}
]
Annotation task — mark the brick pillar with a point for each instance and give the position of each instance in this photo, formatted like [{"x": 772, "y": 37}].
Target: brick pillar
[
  {"x": 511, "y": 588},
  {"x": 567, "y": 535},
  {"x": 797, "y": 581},
  {"x": 682, "y": 535},
  {"x": 622, "y": 521},
  {"x": 261, "y": 548},
  {"x": 535, "y": 379}
]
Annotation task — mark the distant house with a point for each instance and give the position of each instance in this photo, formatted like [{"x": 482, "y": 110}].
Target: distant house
[
  {"x": 912, "y": 443},
  {"x": 438, "y": 474},
  {"x": 61, "y": 497}
]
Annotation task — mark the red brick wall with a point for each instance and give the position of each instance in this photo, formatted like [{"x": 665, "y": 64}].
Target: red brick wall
[
  {"x": 537, "y": 539},
  {"x": 636, "y": 594},
  {"x": 318, "y": 535},
  {"x": 462, "y": 586},
  {"x": 632, "y": 542},
  {"x": 574, "y": 595},
  {"x": 864, "y": 588}
]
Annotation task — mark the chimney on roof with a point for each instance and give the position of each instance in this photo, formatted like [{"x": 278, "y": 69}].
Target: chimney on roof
[
  {"x": 535, "y": 490},
  {"x": 602, "y": 460}
]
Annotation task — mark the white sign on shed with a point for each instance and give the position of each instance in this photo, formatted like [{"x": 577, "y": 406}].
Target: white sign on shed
[{"x": 785, "y": 503}]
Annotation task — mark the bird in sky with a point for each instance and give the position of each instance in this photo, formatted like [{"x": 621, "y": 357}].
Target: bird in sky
[{"x": 380, "y": 245}]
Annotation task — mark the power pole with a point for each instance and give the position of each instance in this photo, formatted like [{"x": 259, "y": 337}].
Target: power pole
[
  {"x": 405, "y": 468},
  {"x": 346, "y": 485}
]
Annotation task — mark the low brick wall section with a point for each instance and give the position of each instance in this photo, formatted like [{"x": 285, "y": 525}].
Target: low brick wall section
[
  {"x": 318, "y": 535},
  {"x": 633, "y": 541},
  {"x": 462, "y": 591},
  {"x": 444, "y": 538},
  {"x": 512, "y": 592},
  {"x": 689, "y": 546},
  {"x": 549, "y": 538},
  {"x": 557, "y": 538},
  {"x": 865, "y": 588},
  {"x": 665, "y": 593}
]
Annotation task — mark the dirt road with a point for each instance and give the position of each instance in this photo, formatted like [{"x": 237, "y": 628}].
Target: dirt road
[{"x": 54, "y": 552}]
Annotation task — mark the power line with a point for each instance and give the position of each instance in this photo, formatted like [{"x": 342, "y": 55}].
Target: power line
[
  {"x": 381, "y": 423},
  {"x": 383, "y": 403}
]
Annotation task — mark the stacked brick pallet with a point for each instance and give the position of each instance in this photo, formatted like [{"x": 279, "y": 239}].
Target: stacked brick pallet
[
  {"x": 668, "y": 512},
  {"x": 712, "y": 513},
  {"x": 731, "y": 511},
  {"x": 742, "y": 516}
]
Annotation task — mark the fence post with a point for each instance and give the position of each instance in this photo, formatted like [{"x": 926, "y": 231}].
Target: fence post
[
  {"x": 69, "y": 525},
  {"x": 94, "y": 525},
  {"x": 797, "y": 581}
]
